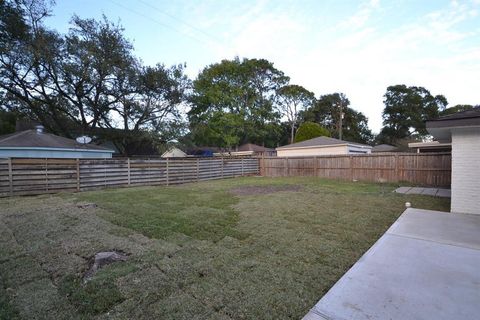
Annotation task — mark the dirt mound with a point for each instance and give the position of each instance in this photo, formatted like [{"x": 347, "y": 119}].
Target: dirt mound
[{"x": 254, "y": 190}]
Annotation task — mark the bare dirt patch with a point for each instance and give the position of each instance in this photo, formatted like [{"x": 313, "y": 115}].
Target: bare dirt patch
[{"x": 256, "y": 190}]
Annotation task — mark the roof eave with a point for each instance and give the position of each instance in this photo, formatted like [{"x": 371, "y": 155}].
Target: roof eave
[
  {"x": 325, "y": 146},
  {"x": 56, "y": 149}
]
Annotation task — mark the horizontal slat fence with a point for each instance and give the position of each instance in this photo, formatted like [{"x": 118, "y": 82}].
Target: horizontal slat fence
[
  {"x": 427, "y": 169},
  {"x": 38, "y": 176}
]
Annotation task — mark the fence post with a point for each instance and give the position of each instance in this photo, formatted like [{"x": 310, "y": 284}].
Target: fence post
[
  {"x": 351, "y": 168},
  {"x": 315, "y": 166},
  {"x": 167, "y": 172},
  {"x": 78, "y": 174},
  {"x": 222, "y": 166},
  {"x": 261, "y": 165},
  {"x": 10, "y": 176},
  {"x": 287, "y": 170},
  {"x": 242, "y": 165},
  {"x": 198, "y": 169},
  {"x": 128, "y": 168},
  {"x": 46, "y": 174},
  {"x": 397, "y": 178}
]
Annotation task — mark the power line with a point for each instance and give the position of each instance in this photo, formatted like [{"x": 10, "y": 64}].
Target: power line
[
  {"x": 181, "y": 21},
  {"x": 158, "y": 22}
]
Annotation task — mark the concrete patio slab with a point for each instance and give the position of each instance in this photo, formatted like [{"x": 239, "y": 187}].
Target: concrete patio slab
[
  {"x": 429, "y": 191},
  {"x": 415, "y": 190},
  {"x": 424, "y": 267},
  {"x": 403, "y": 189},
  {"x": 446, "y": 193},
  {"x": 437, "y": 192}
]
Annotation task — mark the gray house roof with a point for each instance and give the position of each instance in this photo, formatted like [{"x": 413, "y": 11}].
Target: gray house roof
[
  {"x": 320, "y": 141},
  {"x": 440, "y": 128},
  {"x": 34, "y": 139},
  {"x": 253, "y": 147},
  {"x": 384, "y": 148},
  {"x": 464, "y": 118}
]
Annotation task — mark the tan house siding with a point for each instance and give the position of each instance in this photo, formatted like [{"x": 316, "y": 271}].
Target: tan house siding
[
  {"x": 466, "y": 170},
  {"x": 312, "y": 151}
]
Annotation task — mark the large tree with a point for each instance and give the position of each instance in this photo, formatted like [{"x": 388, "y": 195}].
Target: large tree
[
  {"x": 291, "y": 100},
  {"x": 233, "y": 103},
  {"x": 327, "y": 112},
  {"x": 84, "y": 80},
  {"x": 406, "y": 109}
]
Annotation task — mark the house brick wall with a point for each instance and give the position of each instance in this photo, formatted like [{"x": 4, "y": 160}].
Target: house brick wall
[{"x": 466, "y": 170}]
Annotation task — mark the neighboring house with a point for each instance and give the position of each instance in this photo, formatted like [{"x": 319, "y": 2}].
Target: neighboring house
[
  {"x": 254, "y": 150},
  {"x": 249, "y": 149},
  {"x": 39, "y": 144},
  {"x": 321, "y": 146},
  {"x": 384, "y": 148},
  {"x": 203, "y": 151},
  {"x": 462, "y": 130},
  {"x": 174, "y": 153},
  {"x": 433, "y": 146}
]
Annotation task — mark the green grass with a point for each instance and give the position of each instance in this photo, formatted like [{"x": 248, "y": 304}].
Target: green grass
[
  {"x": 196, "y": 251},
  {"x": 202, "y": 215},
  {"x": 95, "y": 297}
]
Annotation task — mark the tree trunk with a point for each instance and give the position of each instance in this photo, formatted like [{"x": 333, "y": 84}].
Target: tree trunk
[{"x": 292, "y": 132}]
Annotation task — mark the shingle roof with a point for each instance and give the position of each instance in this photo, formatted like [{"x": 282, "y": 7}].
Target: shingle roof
[
  {"x": 319, "y": 141},
  {"x": 33, "y": 139},
  {"x": 464, "y": 118},
  {"x": 253, "y": 147},
  {"x": 472, "y": 113},
  {"x": 384, "y": 148}
]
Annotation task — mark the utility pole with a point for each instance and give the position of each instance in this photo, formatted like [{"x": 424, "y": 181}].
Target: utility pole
[{"x": 341, "y": 120}]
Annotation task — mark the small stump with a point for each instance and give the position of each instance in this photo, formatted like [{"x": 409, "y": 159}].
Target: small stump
[{"x": 102, "y": 259}]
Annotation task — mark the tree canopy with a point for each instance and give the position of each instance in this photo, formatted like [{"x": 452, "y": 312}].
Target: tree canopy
[
  {"x": 309, "y": 130},
  {"x": 233, "y": 102},
  {"x": 457, "y": 108},
  {"x": 291, "y": 100},
  {"x": 326, "y": 112},
  {"x": 406, "y": 109},
  {"x": 86, "y": 79}
]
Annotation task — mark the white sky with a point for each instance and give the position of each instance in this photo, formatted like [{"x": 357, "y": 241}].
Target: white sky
[{"x": 355, "y": 47}]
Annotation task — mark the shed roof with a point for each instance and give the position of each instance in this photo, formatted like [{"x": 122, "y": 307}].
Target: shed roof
[
  {"x": 33, "y": 139},
  {"x": 320, "y": 141}
]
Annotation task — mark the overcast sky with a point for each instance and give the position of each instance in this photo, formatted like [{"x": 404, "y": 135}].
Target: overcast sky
[{"x": 355, "y": 47}]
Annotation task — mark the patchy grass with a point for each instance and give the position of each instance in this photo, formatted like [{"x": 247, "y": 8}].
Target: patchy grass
[
  {"x": 95, "y": 297},
  {"x": 210, "y": 250},
  {"x": 207, "y": 215}
]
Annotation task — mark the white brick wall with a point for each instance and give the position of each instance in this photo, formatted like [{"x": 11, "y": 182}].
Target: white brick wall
[{"x": 466, "y": 170}]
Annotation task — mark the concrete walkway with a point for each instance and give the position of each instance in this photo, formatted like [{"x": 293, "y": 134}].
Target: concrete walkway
[
  {"x": 426, "y": 266},
  {"x": 436, "y": 192}
]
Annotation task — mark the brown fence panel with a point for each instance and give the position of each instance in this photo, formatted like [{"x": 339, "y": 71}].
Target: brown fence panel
[
  {"x": 428, "y": 169},
  {"x": 38, "y": 176}
]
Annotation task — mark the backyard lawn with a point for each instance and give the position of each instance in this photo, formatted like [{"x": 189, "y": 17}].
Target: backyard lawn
[{"x": 245, "y": 248}]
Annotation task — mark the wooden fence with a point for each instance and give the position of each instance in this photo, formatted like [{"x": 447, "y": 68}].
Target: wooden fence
[
  {"x": 427, "y": 169},
  {"x": 38, "y": 176}
]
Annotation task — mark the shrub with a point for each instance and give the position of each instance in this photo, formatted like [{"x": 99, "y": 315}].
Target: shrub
[{"x": 309, "y": 130}]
